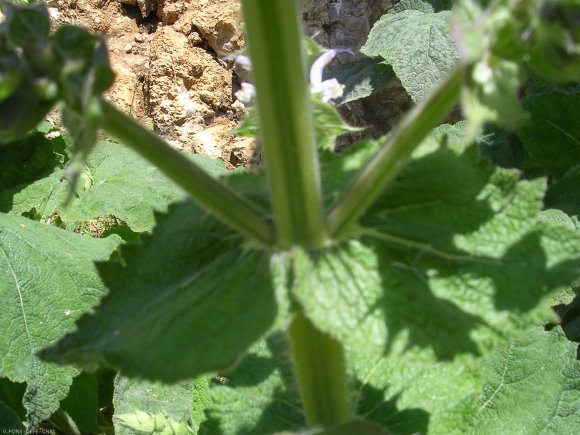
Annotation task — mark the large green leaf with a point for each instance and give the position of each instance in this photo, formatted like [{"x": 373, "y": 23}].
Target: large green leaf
[
  {"x": 140, "y": 404},
  {"x": 116, "y": 181},
  {"x": 449, "y": 246},
  {"x": 403, "y": 395},
  {"x": 552, "y": 134},
  {"x": 47, "y": 280},
  {"x": 415, "y": 39},
  {"x": 532, "y": 387},
  {"x": 189, "y": 300}
]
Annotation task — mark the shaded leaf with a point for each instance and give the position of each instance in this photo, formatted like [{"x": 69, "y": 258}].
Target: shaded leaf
[
  {"x": 199, "y": 285},
  {"x": 361, "y": 78},
  {"x": 539, "y": 371},
  {"x": 81, "y": 404},
  {"x": 9, "y": 420},
  {"x": 564, "y": 194},
  {"x": 417, "y": 42},
  {"x": 31, "y": 173},
  {"x": 47, "y": 281},
  {"x": 450, "y": 244},
  {"x": 552, "y": 134}
]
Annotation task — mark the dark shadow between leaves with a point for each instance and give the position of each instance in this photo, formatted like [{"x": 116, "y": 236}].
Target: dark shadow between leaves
[
  {"x": 414, "y": 225},
  {"x": 372, "y": 406},
  {"x": 521, "y": 278}
]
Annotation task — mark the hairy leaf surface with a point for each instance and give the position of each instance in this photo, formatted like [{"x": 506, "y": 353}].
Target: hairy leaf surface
[
  {"x": 552, "y": 134},
  {"x": 410, "y": 393},
  {"x": 532, "y": 386},
  {"x": 188, "y": 301},
  {"x": 47, "y": 281},
  {"x": 448, "y": 248},
  {"x": 415, "y": 39}
]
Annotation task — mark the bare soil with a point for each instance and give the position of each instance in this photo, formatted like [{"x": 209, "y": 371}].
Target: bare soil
[{"x": 172, "y": 67}]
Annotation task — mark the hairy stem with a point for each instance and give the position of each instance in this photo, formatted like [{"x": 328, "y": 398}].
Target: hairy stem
[
  {"x": 286, "y": 128},
  {"x": 384, "y": 165},
  {"x": 320, "y": 366},
  {"x": 231, "y": 208}
]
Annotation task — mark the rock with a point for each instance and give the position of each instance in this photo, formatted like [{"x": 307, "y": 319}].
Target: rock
[
  {"x": 139, "y": 38},
  {"x": 128, "y": 48},
  {"x": 220, "y": 23},
  {"x": 169, "y": 11},
  {"x": 184, "y": 84}
]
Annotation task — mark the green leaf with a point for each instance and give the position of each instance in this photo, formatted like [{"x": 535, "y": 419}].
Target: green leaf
[
  {"x": 81, "y": 404},
  {"x": 450, "y": 244},
  {"x": 183, "y": 292},
  {"x": 329, "y": 125},
  {"x": 410, "y": 392},
  {"x": 532, "y": 386},
  {"x": 119, "y": 182},
  {"x": 9, "y": 420},
  {"x": 31, "y": 173},
  {"x": 259, "y": 397},
  {"x": 25, "y": 24},
  {"x": 552, "y": 134},
  {"x": 492, "y": 95},
  {"x": 12, "y": 393},
  {"x": 140, "y": 401},
  {"x": 564, "y": 194},
  {"x": 361, "y": 78},
  {"x": 417, "y": 42},
  {"x": 201, "y": 399},
  {"x": 47, "y": 280}
]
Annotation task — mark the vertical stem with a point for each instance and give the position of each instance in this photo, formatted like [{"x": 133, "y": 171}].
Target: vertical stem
[
  {"x": 320, "y": 366},
  {"x": 370, "y": 181},
  {"x": 274, "y": 40}
]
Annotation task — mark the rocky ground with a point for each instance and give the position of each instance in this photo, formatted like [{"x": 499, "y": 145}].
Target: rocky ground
[{"x": 173, "y": 61}]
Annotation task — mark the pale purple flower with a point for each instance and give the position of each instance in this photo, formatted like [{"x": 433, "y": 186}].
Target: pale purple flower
[
  {"x": 329, "y": 89},
  {"x": 244, "y": 62},
  {"x": 246, "y": 93}
]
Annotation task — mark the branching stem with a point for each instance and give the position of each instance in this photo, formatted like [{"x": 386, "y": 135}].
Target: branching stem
[{"x": 372, "y": 179}]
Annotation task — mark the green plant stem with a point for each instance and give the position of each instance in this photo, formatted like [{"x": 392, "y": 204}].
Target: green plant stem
[
  {"x": 371, "y": 180},
  {"x": 287, "y": 133},
  {"x": 320, "y": 365},
  {"x": 63, "y": 422},
  {"x": 233, "y": 209}
]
